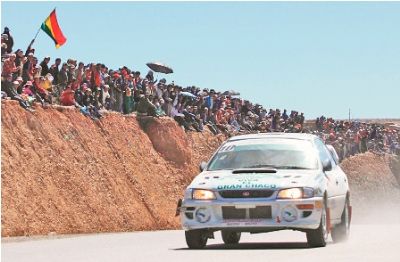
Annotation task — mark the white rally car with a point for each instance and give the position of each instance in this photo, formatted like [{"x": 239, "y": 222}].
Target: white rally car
[{"x": 268, "y": 182}]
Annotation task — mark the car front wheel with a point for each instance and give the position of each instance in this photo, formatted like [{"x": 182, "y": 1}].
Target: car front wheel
[
  {"x": 196, "y": 239},
  {"x": 230, "y": 237},
  {"x": 318, "y": 237},
  {"x": 341, "y": 232}
]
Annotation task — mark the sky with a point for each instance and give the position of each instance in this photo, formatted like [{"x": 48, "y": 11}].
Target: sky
[{"x": 320, "y": 58}]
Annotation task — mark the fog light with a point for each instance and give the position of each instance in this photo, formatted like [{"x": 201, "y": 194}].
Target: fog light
[
  {"x": 289, "y": 214},
  {"x": 203, "y": 215}
]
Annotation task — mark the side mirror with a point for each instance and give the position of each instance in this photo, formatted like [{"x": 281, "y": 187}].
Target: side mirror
[
  {"x": 203, "y": 165},
  {"x": 326, "y": 165}
]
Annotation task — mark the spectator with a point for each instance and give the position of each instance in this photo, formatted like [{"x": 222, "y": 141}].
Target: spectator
[
  {"x": 88, "y": 98},
  {"x": 67, "y": 97},
  {"x": 10, "y": 40},
  {"x": 28, "y": 68},
  {"x": 63, "y": 78},
  {"x": 55, "y": 70},
  {"x": 106, "y": 97},
  {"x": 9, "y": 66},
  {"x": 4, "y": 47},
  {"x": 44, "y": 65},
  {"x": 10, "y": 89},
  {"x": 145, "y": 107},
  {"x": 128, "y": 101}
]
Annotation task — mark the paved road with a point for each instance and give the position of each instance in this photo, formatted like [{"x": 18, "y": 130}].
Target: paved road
[{"x": 367, "y": 243}]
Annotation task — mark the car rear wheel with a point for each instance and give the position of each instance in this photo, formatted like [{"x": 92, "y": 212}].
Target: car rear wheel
[
  {"x": 318, "y": 237},
  {"x": 196, "y": 239},
  {"x": 341, "y": 231},
  {"x": 230, "y": 237}
]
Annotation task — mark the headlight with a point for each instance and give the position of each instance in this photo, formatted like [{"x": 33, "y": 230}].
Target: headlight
[
  {"x": 295, "y": 193},
  {"x": 201, "y": 194}
]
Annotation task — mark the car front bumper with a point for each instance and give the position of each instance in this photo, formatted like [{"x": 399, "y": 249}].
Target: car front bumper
[{"x": 298, "y": 214}]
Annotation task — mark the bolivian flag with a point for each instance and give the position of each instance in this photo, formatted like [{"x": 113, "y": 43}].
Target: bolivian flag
[{"x": 51, "y": 27}]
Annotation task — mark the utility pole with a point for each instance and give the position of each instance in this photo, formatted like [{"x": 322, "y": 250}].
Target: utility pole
[{"x": 349, "y": 115}]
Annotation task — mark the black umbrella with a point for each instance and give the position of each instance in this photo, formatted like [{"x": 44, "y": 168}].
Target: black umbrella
[
  {"x": 161, "y": 68},
  {"x": 231, "y": 93}
]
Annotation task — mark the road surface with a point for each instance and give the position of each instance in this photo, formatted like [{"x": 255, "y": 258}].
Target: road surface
[{"x": 367, "y": 243}]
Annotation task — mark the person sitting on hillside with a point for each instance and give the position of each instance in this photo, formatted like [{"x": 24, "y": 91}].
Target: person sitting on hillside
[
  {"x": 158, "y": 103},
  {"x": 67, "y": 97},
  {"x": 88, "y": 98},
  {"x": 42, "y": 95},
  {"x": 190, "y": 119},
  {"x": 145, "y": 107},
  {"x": 10, "y": 89}
]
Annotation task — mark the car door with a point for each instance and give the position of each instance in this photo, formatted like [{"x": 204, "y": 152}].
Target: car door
[{"x": 335, "y": 192}]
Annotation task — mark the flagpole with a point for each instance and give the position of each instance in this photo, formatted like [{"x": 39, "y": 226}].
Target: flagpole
[
  {"x": 37, "y": 33},
  {"x": 33, "y": 40}
]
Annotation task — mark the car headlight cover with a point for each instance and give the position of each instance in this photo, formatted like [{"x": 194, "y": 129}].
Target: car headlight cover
[
  {"x": 296, "y": 193},
  {"x": 201, "y": 194}
]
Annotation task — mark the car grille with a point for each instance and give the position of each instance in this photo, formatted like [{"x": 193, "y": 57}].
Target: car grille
[
  {"x": 231, "y": 212},
  {"x": 246, "y": 193}
]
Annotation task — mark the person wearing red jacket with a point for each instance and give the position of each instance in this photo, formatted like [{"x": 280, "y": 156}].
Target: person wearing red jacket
[{"x": 67, "y": 97}]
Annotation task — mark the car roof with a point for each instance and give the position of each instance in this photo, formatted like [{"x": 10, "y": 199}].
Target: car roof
[{"x": 298, "y": 136}]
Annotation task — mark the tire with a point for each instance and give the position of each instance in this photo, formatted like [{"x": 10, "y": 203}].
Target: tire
[
  {"x": 341, "y": 231},
  {"x": 230, "y": 237},
  {"x": 318, "y": 237},
  {"x": 196, "y": 239}
]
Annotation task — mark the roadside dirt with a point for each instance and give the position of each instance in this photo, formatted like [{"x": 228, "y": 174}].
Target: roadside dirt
[
  {"x": 375, "y": 191},
  {"x": 64, "y": 173}
]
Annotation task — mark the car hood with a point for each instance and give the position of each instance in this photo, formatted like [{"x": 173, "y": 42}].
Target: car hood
[{"x": 226, "y": 180}]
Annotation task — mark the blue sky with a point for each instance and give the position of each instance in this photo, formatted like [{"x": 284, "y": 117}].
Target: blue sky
[{"x": 317, "y": 58}]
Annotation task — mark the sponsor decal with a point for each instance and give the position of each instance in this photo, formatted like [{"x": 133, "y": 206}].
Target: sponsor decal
[
  {"x": 246, "y": 186},
  {"x": 241, "y": 222},
  {"x": 228, "y": 148}
]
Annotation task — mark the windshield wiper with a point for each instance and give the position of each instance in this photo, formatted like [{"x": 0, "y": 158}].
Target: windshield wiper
[{"x": 260, "y": 165}]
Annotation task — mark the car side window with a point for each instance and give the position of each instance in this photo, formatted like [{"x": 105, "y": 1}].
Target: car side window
[{"x": 323, "y": 152}]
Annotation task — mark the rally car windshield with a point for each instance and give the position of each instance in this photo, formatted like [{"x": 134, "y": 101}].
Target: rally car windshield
[{"x": 268, "y": 153}]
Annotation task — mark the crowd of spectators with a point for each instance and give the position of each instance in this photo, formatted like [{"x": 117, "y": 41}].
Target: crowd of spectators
[
  {"x": 93, "y": 88},
  {"x": 353, "y": 137}
]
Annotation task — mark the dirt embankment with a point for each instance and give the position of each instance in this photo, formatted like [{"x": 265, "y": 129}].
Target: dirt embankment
[
  {"x": 375, "y": 191},
  {"x": 65, "y": 173}
]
